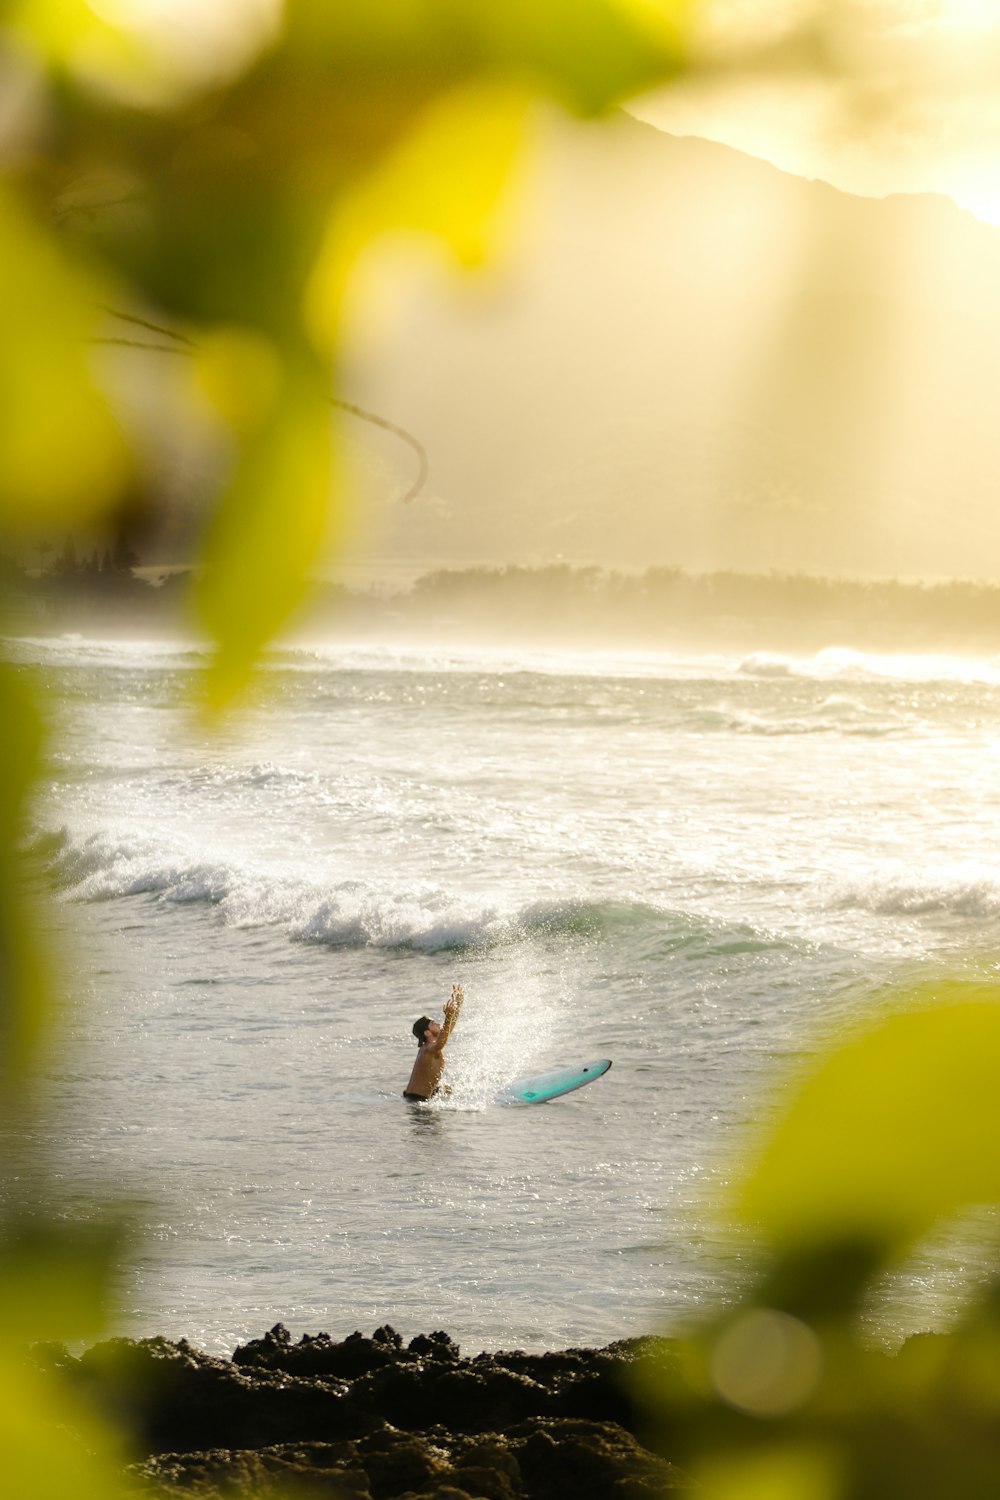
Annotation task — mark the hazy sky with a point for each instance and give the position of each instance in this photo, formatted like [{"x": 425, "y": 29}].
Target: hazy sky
[
  {"x": 875, "y": 96},
  {"x": 704, "y": 361}
]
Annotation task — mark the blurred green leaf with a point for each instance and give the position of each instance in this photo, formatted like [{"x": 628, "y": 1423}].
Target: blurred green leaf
[
  {"x": 64, "y": 32},
  {"x": 446, "y": 179},
  {"x": 782, "y": 1472},
  {"x": 589, "y": 53},
  {"x": 56, "y": 1278},
  {"x": 895, "y": 1128},
  {"x": 267, "y": 531},
  {"x": 51, "y": 1446},
  {"x": 238, "y": 374},
  {"x": 62, "y": 457},
  {"x": 22, "y": 996},
  {"x": 22, "y": 750}
]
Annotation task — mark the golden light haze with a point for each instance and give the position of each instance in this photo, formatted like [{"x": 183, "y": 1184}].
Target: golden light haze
[
  {"x": 874, "y": 96},
  {"x": 723, "y": 342},
  {"x": 702, "y": 359},
  {"x": 698, "y": 360}
]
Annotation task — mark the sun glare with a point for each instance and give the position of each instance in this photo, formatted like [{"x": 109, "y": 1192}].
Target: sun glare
[
  {"x": 979, "y": 193},
  {"x": 970, "y": 15}
]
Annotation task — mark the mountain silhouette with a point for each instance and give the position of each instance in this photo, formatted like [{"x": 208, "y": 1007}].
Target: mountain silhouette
[{"x": 695, "y": 358}]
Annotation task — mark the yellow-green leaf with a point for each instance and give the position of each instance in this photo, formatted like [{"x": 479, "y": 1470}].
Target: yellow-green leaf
[
  {"x": 446, "y": 179},
  {"x": 784, "y": 1471},
  {"x": 121, "y": 48},
  {"x": 894, "y": 1129},
  {"x": 64, "y": 31},
  {"x": 238, "y": 372},
  {"x": 56, "y": 1278},
  {"x": 588, "y": 53},
  {"x": 22, "y": 1001},
  {"x": 267, "y": 532},
  {"x": 52, "y": 1447},
  {"x": 62, "y": 457}
]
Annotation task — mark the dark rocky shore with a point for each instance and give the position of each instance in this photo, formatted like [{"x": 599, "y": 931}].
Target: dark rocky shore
[{"x": 368, "y": 1417}]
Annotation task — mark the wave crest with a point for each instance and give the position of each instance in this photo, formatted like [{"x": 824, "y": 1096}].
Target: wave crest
[
  {"x": 845, "y": 664},
  {"x": 970, "y": 894},
  {"x": 836, "y": 714},
  {"x": 354, "y": 913}
]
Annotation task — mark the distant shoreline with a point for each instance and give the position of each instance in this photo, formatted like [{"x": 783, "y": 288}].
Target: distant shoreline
[{"x": 559, "y": 605}]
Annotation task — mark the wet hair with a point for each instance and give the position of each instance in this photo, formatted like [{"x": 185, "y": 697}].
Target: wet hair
[{"x": 419, "y": 1027}]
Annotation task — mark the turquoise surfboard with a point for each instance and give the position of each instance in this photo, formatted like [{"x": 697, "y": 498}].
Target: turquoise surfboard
[{"x": 545, "y": 1086}]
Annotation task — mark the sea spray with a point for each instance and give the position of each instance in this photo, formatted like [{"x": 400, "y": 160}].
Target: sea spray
[{"x": 507, "y": 1026}]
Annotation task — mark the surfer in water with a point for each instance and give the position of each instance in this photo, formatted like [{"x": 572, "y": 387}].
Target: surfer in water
[{"x": 431, "y": 1036}]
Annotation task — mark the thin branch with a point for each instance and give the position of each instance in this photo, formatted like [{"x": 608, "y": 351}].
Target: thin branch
[
  {"x": 402, "y": 434},
  {"x": 170, "y": 333},
  {"x": 135, "y": 344},
  {"x": 186, "y": 345}
]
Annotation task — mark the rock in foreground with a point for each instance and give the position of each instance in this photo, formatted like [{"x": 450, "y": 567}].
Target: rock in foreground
[{"x": 370, "y": 1419}]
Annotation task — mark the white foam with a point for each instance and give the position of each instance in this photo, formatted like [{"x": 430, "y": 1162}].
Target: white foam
[
  {"x": 835, "y": 715},
  {"x": 833, "y": 663},
  {"x": 105, "y": 865},
  {"x": 965, "y": 892},
  {"x": 74, "y": 649},
  {"x": 499, "y": 661},
  {"x": 341, "y": 913},
  {"x": 323, "y": 908},
  {"x": 843, "y": 663}
]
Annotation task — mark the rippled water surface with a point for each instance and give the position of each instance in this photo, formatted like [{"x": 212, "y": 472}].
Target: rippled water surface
[{"x": 693, "y": 865}]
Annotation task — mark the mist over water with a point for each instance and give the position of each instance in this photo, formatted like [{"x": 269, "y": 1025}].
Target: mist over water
[{"x": 695, "y": 865}]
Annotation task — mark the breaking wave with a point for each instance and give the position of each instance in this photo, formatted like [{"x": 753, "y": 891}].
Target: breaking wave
[{"x": 361, "y": 914}]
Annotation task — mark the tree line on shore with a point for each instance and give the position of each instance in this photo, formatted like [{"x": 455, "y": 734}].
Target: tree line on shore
[
  {"x": 669, "y": 600},
  {"x": 565, "y": 601}
]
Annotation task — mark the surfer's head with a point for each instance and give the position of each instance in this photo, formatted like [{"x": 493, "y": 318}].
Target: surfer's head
[{"x": 420, "y": 1029}]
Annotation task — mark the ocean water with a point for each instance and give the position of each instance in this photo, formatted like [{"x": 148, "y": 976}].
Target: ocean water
[{"x": 695, "y": 865}]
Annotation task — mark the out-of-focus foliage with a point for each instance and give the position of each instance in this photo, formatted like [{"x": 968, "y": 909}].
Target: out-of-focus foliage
[
  {"x": 275, "y": 508},
  {"x": 20, "y": 978},
  {"x": 220, "y": 194},
  {"x": 61, "y": 454},
  {"x": 236, "y": 201},
  {"x": 897, "y": 1129},
  {"x": 445, "y": 179},
  {"x": 787, "y": 1395},
  {"x": 227, "y": 194},
  {"x": 52, "y": 1447}
]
